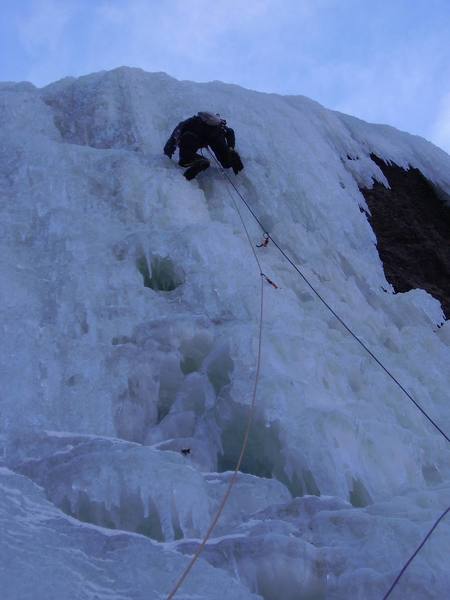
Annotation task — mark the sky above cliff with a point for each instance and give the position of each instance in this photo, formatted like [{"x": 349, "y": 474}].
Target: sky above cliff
[{"x": 387, "y": 62}]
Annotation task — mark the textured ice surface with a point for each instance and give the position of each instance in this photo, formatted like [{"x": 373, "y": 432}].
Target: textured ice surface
[
  {"x": 129, "y": 306},
  {"x": 44, "y": 554},
  {"x": 296, "y": 550},
  {"x": 124, "y": 485}
]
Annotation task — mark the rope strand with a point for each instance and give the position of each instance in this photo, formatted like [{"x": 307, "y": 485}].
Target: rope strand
[
  {"x": 253, "y": 403},
  {"x": 268, "y": 236},
  {"x": 333, "y": 312},
  {"x": 416, "y": 552},
  {"x": 247, "y": 429}
]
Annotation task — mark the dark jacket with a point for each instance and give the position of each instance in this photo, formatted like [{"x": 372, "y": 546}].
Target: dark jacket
[{"x": 205, "y": 133}]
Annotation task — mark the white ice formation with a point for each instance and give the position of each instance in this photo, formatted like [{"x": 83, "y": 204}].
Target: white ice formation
[{"x": 129, "y": 314}]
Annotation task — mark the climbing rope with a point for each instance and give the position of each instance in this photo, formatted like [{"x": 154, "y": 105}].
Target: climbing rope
[
  {"x": 416, "y": 552},
  {"x": 248, "y": 426},
  {"x": 267, "y": 236}
]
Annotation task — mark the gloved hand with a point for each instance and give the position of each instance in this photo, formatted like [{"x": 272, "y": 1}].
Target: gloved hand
[
  {"x": 236, "y": 162},
  {"x": 170, "y": 147}
]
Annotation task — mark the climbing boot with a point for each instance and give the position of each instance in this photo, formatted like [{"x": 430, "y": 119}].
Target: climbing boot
[{"x": 198, "y": 165}]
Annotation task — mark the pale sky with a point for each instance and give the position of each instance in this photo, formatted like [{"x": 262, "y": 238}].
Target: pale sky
[{"x": 385, "y": 61}]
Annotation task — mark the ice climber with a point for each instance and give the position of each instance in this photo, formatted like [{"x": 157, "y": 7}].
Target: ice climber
[{"x": 200, "y": 131}]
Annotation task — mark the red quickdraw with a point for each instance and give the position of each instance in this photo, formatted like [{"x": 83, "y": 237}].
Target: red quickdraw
[{"x": 270, "y": 282}]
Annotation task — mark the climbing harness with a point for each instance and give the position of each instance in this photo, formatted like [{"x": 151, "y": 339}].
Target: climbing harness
[
  {"x": 251, "y": 414},
  {"x": 416, "y": 552}
]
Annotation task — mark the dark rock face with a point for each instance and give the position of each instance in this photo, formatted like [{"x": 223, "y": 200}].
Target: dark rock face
[{"x": 412, "y": 226}]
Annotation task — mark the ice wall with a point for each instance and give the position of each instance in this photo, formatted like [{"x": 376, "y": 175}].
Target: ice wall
[
  {"x": 45, "y": 554},
  {"x": 129, "y": 307}
]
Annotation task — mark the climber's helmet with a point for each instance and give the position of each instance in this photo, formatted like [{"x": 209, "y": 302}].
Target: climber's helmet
[{"x": 211, "y": 119}]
